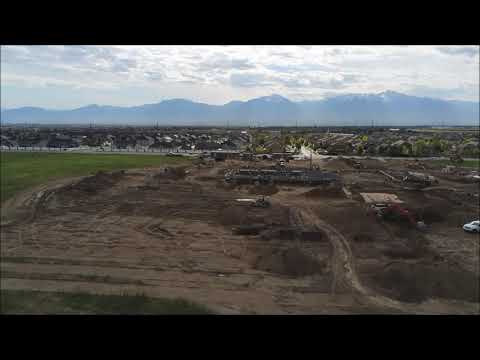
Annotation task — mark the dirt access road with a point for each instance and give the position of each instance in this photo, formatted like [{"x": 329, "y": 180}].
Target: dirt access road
[{"x": 169, "y": 234}]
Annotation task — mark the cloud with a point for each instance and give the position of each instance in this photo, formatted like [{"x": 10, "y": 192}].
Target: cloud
[
  {"x": 242, "y": 72},
  {"x": 469, "y": 51},
  {"x": 223, "y": 62},
  {"x": 249, "y": 80},
  {"x": 458, "y": 92}
]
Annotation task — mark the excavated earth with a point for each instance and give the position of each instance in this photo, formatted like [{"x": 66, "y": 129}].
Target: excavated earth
[{"x": 180, "y": 232}]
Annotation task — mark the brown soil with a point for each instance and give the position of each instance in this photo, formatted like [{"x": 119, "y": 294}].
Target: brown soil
[
  {"x": 291, "y": 262},
  {"x": 417, "y": 282},
  {"x": 373, "y": 164},
  {"x": 324, "y": 191},
  {"x": 289, "y": 233},
  {"x": 95, "y": 183},
  {"x": 205, "y": 178},
  {"x": 263, "y": 189},
  {"x": 167, "y": 235},
  {"x": 337, "y": 164},
  {"x": 363, "y": 237}
]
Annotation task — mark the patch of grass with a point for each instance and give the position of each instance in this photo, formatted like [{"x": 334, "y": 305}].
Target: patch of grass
[
  {"x": 39, "y": 302},
  {"x": 20, "y": 171},
  {"x": 474, "y": 164}
]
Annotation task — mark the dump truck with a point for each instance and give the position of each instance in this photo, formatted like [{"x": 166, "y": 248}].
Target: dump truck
[{"x": 395, "y": 212}]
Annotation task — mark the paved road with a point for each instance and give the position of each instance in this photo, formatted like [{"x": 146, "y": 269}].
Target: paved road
[
  {"x": 304, "y": 151},
  {"x": 97, "y": 151}
]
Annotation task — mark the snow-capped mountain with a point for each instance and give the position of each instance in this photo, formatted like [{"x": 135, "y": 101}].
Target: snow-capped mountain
[{"x": 385, "y": 108}]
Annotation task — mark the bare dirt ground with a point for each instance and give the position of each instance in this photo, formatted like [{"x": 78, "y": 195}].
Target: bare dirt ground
[{"x": 171, "y": 234}]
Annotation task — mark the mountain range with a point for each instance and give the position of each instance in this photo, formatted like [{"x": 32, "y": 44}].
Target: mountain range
[{"x": 383, "y": 109}]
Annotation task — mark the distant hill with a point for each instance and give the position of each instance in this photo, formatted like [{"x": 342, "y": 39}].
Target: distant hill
[{"x": 386, "y": 108}]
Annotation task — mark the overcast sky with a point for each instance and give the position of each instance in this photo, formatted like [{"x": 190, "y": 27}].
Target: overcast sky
[{"x": 63, "y": 77}]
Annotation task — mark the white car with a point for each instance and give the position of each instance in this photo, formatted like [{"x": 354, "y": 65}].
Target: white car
[{"x": 474, "y": 226}]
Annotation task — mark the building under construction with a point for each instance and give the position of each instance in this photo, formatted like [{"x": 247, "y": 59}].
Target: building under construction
[{"x": 278, "y": 176}]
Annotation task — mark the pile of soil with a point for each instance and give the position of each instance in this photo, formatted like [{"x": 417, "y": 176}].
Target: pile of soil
[
  {"x": 98, "y": 182},
  {"x": 291, "y": 262},
  {"x": 174, "y": 173},
  {"x": 416, "y": 282},
  {"x": 263, "y": 189},
  {"x": 432, "y": 213},
  {"x": 167, "y": 175}
]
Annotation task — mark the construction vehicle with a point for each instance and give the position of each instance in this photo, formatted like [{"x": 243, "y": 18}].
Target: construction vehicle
[
  {"x": 395, "y": 212},
  {"x": 419, "y": 180},
  {"x": 261, "y": 203}
]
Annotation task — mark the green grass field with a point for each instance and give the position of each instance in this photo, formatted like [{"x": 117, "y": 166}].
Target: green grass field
[
  {"x": 474, "y": 164},
  {"x": 39, "y": 302},
  {"x": 20, "y": 171}
]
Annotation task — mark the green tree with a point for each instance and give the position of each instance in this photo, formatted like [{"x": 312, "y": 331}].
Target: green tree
[
  {"x": 360, "y": 149},
  {"x": 419, "y": 147}
]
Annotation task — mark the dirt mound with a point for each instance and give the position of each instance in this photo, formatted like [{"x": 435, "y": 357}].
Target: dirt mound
[
  {"x": 166, "y": 175},
  {"x": 431, "y": 214},
  {"x": 324, "y": 191},
  {"x": 95, "y": 183},
  {"x": 291, "y": 262},
  {"x": 175, "y": 173},
  {"x": 263, "y": 189},
  {"x": 421, "y": 281}
]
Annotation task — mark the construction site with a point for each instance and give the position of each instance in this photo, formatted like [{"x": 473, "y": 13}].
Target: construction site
[{"x": 323, "y": 236}]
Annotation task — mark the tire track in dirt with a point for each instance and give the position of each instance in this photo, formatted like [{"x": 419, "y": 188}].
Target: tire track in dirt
[{"x": 344, "y": 272}]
